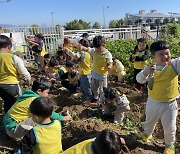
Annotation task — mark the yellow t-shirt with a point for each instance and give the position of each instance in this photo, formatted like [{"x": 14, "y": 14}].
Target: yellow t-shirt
[
  {"x": 8, "y": 71},
  {"x": 140, "y": 64},
  {"x": 84, "y": 147},
  {"x": 43, "y": 52},
  {"x": 20, "y": 110},
  {"x": 52, "y": 70},
  {"x": 48, "y": 138},
  {"x": 84, "y": 66},
  {"x": 165, "y": 86},
  {"x": 117, "y": 70},
  {"x": 100, "y": 64},
  {"x": 72, "y": 79}
]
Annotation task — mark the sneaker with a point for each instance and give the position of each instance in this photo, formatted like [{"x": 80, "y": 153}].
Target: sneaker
[
  {"x": 62, "y": 88},
  {"x": 145, "y": 138},
  {"x": 76, "y": 95},
  {"x": 169, "y": 149}
]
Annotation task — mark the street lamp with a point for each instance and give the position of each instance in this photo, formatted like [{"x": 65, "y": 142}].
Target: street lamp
[
  {"x": 52, "y": 18},
  {"x": 104, "y": 19}
]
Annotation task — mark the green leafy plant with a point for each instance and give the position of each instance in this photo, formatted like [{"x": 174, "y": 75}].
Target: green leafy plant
[{"x": 122, "y": 49}]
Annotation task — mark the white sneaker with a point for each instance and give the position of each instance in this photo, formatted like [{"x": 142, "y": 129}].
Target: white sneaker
[
  {"x": 63, "y": 89},
  {"x": 76, "y": 95}
]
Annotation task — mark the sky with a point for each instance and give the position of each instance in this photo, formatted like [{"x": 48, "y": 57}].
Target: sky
[{"x": 41, "y": 12}]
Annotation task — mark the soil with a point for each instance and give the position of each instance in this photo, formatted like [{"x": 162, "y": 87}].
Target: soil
[{"x": 87, "y": 122}]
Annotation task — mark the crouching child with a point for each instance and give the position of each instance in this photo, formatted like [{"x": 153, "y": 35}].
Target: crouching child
[
  {"x": 45, "y": 137},
  {"x": 118, "y": 108},
  {"x": 107, "y": 142}
]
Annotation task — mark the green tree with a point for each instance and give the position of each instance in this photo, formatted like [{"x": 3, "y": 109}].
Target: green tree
[
  {"x": 58, "y": 28},
  {"x": 113, "y": 24},
  {"x": 138, "y": 21},
  {"x": 6, "y": 30},
  {"x": 35, "y": 29},
  {"x": 166, "y": 20},
  {"x": 171, "y": 32},
  {"x": 120, "y": 23},
  {"x": 128, "y": 22},
  {"x": 149, "y": 20},
  {"x": 96, "y": 25},
  {"x": 86, "y": 25},
  {"x": 157, "y": 21},
  {"x": 77, "y": 25},
  {"x": 179, "y": 20},
  {"x": 174, "y": 29}
]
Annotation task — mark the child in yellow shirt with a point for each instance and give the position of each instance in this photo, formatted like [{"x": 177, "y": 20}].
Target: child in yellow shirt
[
  {"x": 46, "y": 136},
  {"x": 107, "y": 142},
  {"x": 162, "y": 94},
  {"x": 139, "y": 58},
  {"x": 117, "y": 70}
]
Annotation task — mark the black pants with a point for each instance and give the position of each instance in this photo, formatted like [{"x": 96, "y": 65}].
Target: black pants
[
  {"x": 72, "y": 87},
  {"x": 9, "y": 94},
  {"x": 136, "y": 71}
]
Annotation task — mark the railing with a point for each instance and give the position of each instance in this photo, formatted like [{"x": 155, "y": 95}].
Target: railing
[
  {"x": 53, "y": 36},
  {"x": 145, "y": 34},
  {"x": 125, "y": 32}
]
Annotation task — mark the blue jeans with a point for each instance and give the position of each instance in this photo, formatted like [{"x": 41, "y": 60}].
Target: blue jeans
[
  {"x": 37, "y": 61},
  {"x": 85, "y": 85}
]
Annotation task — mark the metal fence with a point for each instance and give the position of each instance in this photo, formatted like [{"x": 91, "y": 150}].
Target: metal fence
[
  {"x": 110, "y": 34},
  {"x": 54, "y": 36}
]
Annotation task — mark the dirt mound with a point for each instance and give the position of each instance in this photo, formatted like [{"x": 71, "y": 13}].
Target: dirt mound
[{"x": 87, "y": 122}]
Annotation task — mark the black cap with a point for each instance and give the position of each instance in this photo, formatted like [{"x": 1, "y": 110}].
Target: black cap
[{"x": 85, "y": 34}]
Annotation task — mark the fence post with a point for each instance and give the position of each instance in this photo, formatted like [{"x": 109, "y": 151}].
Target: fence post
[
  {"x": 101, "y": 30},
  {"x": 131, "y": 34},
  {"x": 62, "y": 35}
]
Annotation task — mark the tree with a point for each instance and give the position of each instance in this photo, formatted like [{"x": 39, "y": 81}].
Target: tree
[
  {"x": 96, "y": 25},
  {"x": 120, "y": 22},
  {"x": 138, "y": 21},
  {"x": 6, "y": 30},
  {"x": 35, "y": 29},
  {"x": 166, "y": 20},
  {"x": 113, "y": 24},
  {"x": 157, "y": 21},
  {"x": 172, "y": 20},
  {"x": 58, "y": 28},
  {"x": 179, "y": 20},
  {"x": 128, "y": 22},
  {"x": 86, "y": 25},
  {"x": 149, "y": 20},
  {"x": 77, "y": 25},
  {"x": 171, "y": 30}
]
